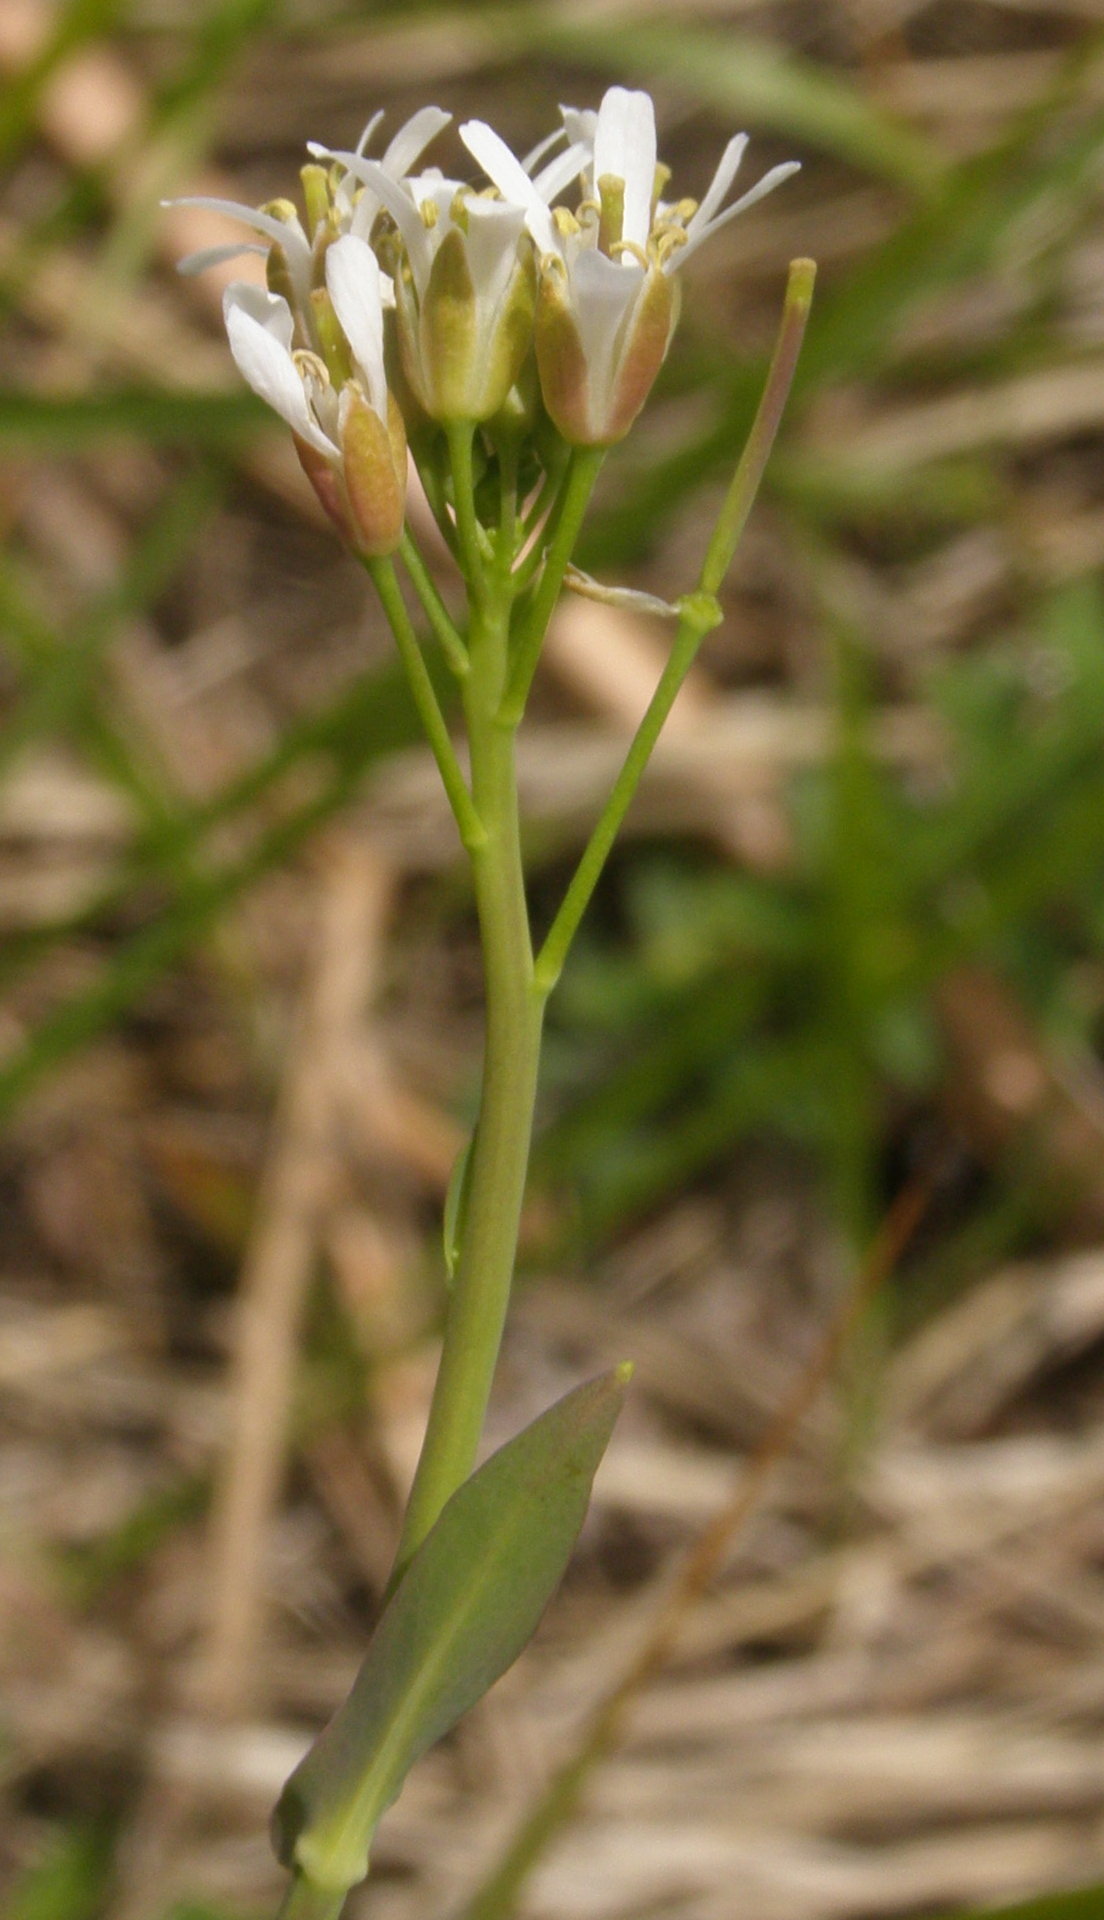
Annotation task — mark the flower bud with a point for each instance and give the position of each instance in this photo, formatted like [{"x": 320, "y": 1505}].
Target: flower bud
[
  {"x": 465, "y": 290},
  {"x": 348, "y": 430},
  {"x": 463, "y": 343},
  {"x": 598, "y": 355},
  {"x": 374, "y": 460},
  {"x": 363, "y": 492}
]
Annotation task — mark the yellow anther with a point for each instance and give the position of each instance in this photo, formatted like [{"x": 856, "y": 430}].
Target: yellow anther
[
  {"x": 284, "y": 210},
  {"x": 630, "y": 246},
  {"x": 668, "y": 242},
  {"x": 311, "y": 366}
]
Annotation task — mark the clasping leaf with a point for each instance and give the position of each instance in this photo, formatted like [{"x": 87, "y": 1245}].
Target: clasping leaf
[{"x": 466, "y": 1605}]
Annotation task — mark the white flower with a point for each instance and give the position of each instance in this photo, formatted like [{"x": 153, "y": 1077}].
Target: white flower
[
  {"x": 347, "y": 428},
  {"x": 281, "y": 224},
  {"x": 357, "y": 210},
  {"x": 283, "y": 229},
  {"x": 465, "y": 285},
  {"x": 608, "y": 301}
]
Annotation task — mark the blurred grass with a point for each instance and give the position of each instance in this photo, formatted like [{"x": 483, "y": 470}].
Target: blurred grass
[{"x": 709, "y": 1008}]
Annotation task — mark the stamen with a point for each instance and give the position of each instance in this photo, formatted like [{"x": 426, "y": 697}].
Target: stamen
[
  {"x": 316, "y": 196},
  {"x": 310, "y": 366},
  {"x": 284, "y": 210},
  {"x": 630, "y": 246},
  {"x": 668, "y": 242},
  {"x": 611, "y": 222}
]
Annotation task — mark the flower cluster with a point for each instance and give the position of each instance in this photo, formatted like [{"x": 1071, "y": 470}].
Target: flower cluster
[{"x": 407, "y": 301}]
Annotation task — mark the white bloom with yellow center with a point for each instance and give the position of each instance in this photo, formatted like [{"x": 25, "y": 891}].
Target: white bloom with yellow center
[
  {"x": 348, "y": 431},
  {"x": 280, "y": 223},
  {"x": 465, "y": 282},
  {"x": 608, "y": 303}
]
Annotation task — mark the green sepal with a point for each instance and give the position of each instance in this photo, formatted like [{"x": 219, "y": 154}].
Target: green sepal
[
  {"x": 449, "y": 340},
  {"x": 469, "y": 1600}
]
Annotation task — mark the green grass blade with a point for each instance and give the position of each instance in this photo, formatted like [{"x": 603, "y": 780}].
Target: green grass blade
[
  {"x": 136, "y": 966},
  {"x": 69, "y": 421}
]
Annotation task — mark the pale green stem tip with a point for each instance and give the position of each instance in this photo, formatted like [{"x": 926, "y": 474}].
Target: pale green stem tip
[{"x": 800, "y": 283}]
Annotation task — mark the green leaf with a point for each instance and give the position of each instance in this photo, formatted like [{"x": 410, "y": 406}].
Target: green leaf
[
  {"x": 468, "y": 1602},
  {"x": 68, "y": 420}
]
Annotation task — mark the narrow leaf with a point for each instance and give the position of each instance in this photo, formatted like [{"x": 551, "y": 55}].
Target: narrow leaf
[{"x": 468, "y": 1602}]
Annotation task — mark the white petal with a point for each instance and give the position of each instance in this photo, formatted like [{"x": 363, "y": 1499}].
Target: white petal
[
  {"x": 369, "y": 130},
  {"x": 269, "y": 310},
  {"x": 494, "y": 230},
  {"x": 412, "y": 140},
  {"x": 762, "y": 187},
  {"x": 560, "y": 172},
  {"x": 254, "y": 327},
  {"x": 353, "y": 281},
  {"x": 280, "y": 230},
  {"x": 536, "y": 154},
  {"x": 506, "y": 172},
  {"x": 720, "y": 183},
  {"x": 625, "y": 146},
  {"x": 605, "y": 292},
  {"x": 287, "y": 233},
  {"x": 431, "y": 188},
  {"x": 581, "y": 124},
  {"x": 399, "y": 201},
  {"x": 193, "y": 263}
]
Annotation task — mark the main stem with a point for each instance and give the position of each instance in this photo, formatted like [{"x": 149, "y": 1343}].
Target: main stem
[{"x": 514, "y": 1012}]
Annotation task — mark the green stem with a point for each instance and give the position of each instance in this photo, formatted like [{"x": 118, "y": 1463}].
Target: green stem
[
  {"x": 549, "y": 504},
  {"x": 472, "y": 831},
  {"x": 472, "y": 538},
  {"x": 304, "y": 1901},
  {"x": 700, "y": 613},
  {"x": 506, "y": 545},
  {"x": 500, "y": 1155},
  {"x": 579, "y": 485},
  {"x": 545, "y": 496},
  {"x": 768, "y": 417},
  {"x": 430, "y": 477},
  {"x": 436, "y": 612}
]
